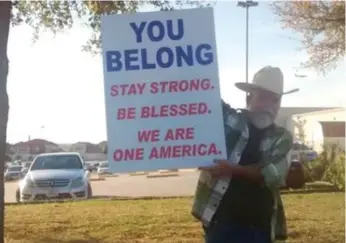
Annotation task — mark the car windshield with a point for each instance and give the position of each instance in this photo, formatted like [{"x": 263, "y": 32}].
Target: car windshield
[
  {"x": 104, "y": 165},
  {"x": 14, "y": 169},
  {"x": 57, "y": 162}
]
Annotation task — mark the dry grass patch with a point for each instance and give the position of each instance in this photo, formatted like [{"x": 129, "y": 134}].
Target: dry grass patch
[{"x": 317, "y": 218}]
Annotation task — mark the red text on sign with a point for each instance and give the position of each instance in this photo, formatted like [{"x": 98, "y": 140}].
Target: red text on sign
[
  {"x": 181, "y": 151},
  {"x": 180, "y": 86},
  {"x": 126, "y": 113},
  {"x": 180, "y": 134},
  {"x": 127, "y": 89},
  {"x": 148, "y": 136},
  {"x": 128, "y": 154},
  {"x": 174, "y": 110}
]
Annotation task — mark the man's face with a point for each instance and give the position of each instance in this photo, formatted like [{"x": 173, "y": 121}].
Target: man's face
[{"x": 264, "y": 106}]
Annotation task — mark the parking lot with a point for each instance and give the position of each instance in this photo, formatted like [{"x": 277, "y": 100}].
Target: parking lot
[{"x": 183, "y": 184}]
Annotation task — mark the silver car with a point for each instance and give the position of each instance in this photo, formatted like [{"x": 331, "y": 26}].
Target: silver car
[
  {"x": 26, "y": 167},
  {"x": 55, "y": 176},
  {"x": 13, "y": 173},
  {"x": 103, "y": 169}
]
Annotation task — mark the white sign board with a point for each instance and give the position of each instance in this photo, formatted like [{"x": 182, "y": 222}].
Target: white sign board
[{"x": 162, "y": 93}]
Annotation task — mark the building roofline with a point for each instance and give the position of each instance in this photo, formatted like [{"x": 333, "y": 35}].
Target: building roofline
[{"x": 335, "y": 109}]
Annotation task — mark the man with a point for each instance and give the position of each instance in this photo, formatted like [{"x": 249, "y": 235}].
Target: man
[{"x": 236, "y": 199}]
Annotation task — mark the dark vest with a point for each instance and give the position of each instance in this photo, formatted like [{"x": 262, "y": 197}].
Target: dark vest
[{"x": 247, "y": 203}]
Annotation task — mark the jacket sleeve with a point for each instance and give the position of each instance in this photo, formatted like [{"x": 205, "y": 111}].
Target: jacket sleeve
[
  {"x": 277, "y": 165},
  {"x": 226, "y": 108}
]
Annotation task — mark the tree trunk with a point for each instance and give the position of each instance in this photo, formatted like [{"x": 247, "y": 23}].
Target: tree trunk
[{"x": 5, "y": 18}]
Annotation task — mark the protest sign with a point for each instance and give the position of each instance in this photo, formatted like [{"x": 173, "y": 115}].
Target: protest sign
[{"x": 162, "y": 93}]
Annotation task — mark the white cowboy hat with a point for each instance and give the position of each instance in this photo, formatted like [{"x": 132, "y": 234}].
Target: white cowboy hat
[{"x": 268, "y": 78}]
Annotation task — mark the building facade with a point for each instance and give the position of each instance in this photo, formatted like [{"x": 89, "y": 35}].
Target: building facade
[
  {"x": 331, "y": 122},
  {"x": 27, "y": 151},
  {"x": 314, "y": 126},
  {"x": 89, "y": 151}
]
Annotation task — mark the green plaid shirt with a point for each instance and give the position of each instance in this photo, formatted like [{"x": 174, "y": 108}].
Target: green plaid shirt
[{"x": 274, "y": 147}]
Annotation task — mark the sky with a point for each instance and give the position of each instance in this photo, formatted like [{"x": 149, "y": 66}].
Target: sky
[{"x": 56, "y": 89}]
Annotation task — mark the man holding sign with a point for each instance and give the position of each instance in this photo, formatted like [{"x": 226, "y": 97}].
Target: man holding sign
[
  {"x": 161, "y": 90},
  {"x": 236, "y": 199}
]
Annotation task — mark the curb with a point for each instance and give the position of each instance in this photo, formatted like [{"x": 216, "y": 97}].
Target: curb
[
  {"x": 106, "y": 176},
  {"x": 163, "y": 175},
  {"x": 101, "y": 198},
  {"x": 97, "y": 179},
  {"x": 167, "y": 171},
  {"x": 138, "y": 173},
  {"x": 114, "y": 198},
  {"x": 310, "y": 191},
  {"x": 188, "y": 170}
]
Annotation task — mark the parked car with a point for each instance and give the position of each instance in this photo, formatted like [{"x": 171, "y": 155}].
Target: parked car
[
  {"x": 55, "y": 176},
  {"x": 103, "y": 168},
  {"x": 302, "y": 152},
  {"x": 26, "y": 166},
  {"x": 13, "y": 173},
  {"x": 87, "y": 166},
  {"x": 91, "y": 165},
  {"x": 17, "y": 163},
  {"x": 94, "y": 166}
]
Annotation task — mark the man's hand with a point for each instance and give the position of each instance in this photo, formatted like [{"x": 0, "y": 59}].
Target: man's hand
[{"x": 222, "y": 168}]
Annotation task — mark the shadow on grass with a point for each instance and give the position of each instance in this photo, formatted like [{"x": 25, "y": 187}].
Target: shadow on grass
[
  {"x": 91, "y": 240},
  {"x": 50, "y": 240},
  {"x": 292, "y": 235},
  {"x": 295, "y": 234}
]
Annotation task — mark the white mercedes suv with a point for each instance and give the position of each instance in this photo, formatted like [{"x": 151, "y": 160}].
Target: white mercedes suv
[{"x": 55, "y": 176}]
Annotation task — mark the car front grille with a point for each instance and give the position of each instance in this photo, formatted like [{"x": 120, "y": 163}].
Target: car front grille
[
  {"x": 52, "y": 183},
  {"x": 60, "y": 196},
  {"x": 13, "y": 174}
]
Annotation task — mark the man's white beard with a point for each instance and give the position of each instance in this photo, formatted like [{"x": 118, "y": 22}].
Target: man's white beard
[{"x": 262, "y": 120}]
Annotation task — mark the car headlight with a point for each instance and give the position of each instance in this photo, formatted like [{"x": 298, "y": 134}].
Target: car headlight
[{"x": 77, "y": 182}]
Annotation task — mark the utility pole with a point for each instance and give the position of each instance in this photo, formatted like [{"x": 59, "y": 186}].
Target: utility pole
[{"x": 247, "y": 4}]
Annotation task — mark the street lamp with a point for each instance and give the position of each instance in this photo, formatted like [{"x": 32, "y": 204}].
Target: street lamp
[{"x": 247, "y": 4}]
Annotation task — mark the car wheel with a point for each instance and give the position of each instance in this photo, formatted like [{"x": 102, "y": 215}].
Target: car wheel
[
  {"x": 17, "y": 195},
  {"x": 90, "y": 193}
]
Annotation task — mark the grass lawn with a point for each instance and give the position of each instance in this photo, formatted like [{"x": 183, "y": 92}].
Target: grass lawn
[{"x": 317, "y": 218}]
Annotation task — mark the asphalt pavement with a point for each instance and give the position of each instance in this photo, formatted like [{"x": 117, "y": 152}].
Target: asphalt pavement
[{"x": 133, "y": 186}]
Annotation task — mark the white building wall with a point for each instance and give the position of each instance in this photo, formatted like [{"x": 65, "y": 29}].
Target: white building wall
[
  {"x": 313, "y": 128},
  {"x": 78, "y": 148},
  {"x": 95, "y": 157},
  {"x": 338, "y": 114},
  {"x": 82, "y": 150}
]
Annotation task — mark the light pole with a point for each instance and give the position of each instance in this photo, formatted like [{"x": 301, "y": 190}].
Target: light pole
[
  {"x": 247, "y": 4},
  {"x": 42, "y": 128},
  {"x": 297, "y": 75}
]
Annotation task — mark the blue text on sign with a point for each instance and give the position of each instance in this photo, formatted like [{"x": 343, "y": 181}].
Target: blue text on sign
[{"x": 165, "y": 57}]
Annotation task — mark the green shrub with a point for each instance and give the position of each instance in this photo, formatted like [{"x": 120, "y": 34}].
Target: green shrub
[
  {"x": 329, "y": 167},
  {"x": 308, "y": 177},
  {"x": 335, "y": 174}
]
